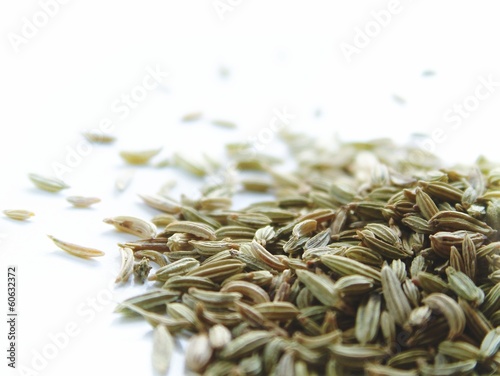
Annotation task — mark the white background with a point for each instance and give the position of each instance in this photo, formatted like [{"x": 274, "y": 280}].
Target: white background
[{"x": 66, "y": 78}]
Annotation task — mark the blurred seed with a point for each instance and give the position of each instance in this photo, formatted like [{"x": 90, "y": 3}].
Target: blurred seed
[
  {"x": 355, "y": 356},
  {"x": 368, "y": 319},
  {"x": 380, "y": 370},
  {"x": 192, "y": 116},
  {"x": 156, "y": 319},
  {"x": 148, "y": 301},
  {"x": 124, "y": 179},
  {"x": 19, "y": 214},
  {"x": 219, "y": 336},
  {"x": 450, "y": 309},
  {"x": 82, "y": 201},
  {"x": 459, "y": 350},
  {"x": 245, "y": 344},
  {"x": 189, "y": 165},
  {"x": 139, "y": 157},
  {"x": 419, "y": 317},
  {"x": 491, "y": 343},
  {"x": 47, "y": 183},
  {"x": 457, "y": 368},
  {"x": 163, "y": 346},
  {"x": 431, "y": 283},
  {"x": 98, "y": 137},
  {"x": 162, "y": 203},
  {"x": 163, "y": 219},
  {"x": 198, "y": 352},
  {"x": 224, "y": 124}
]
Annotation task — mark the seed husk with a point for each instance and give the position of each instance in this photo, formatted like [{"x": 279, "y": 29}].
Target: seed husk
[{"x": 141, "y": 270}]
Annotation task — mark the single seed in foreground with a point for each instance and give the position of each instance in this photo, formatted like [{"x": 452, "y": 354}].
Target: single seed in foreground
[{"x": 75, "y": 249}]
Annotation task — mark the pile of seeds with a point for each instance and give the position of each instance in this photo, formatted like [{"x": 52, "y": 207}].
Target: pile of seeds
[{"x": 371, "y": 259}]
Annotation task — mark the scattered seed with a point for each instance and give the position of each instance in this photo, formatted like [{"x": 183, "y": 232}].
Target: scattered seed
[
  {"x": 82, "y": 201},
  {"x": 98, "y": 137},
  {"x": 139, "y": 157},
  {"x": 47, "y": 183},
  {"x": 76, "y": 250},
  {"x": 19, "y": 214}
]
